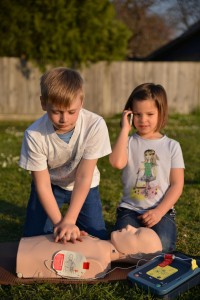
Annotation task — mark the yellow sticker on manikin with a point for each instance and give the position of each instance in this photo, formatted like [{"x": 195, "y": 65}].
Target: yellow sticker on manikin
[{"x": 161, "y": 273}]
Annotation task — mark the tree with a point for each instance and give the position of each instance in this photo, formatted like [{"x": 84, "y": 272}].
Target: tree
[
  {"x": 70, "y": 32},
  {"x": 182, "y": 14},
  {"x": 149, "y": 30}
]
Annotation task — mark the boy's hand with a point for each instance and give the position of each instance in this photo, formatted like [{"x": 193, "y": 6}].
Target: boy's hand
[{"x": 65, "y": 232}]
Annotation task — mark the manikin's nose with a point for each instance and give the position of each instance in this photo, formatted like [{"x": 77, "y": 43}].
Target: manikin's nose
[{"x": 131, "y": 228}]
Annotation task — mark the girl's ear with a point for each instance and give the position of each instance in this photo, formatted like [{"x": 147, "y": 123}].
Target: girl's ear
[{"x": 43, "y": 104}]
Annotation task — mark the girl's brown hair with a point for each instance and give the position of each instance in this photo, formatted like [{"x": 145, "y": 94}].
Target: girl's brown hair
[
  {"x": 60, "y": 86},
  {"x": 151, "y": 91}
]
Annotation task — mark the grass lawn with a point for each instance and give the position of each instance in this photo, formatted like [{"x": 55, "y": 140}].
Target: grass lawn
[{"x": 14, "y": 192}]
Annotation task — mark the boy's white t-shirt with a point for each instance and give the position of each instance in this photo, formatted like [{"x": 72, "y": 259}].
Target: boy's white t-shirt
[
  {"x": 146, "y": 177},
  {"x": 42, "y": 148}
]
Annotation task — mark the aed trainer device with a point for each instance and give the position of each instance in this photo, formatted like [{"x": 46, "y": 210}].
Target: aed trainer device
[{"x": 167, "y": 275}]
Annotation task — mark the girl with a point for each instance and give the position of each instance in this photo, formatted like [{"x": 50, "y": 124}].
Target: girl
[{"x": 152, "y": 163}]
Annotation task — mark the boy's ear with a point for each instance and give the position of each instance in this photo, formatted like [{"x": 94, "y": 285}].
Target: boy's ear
[{"x": 43, "y": 104}]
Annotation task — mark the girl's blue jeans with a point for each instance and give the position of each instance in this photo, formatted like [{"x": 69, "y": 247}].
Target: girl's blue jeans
[
  {"x": 90, "y": 217},
  {"x": 166, "y": 228}
]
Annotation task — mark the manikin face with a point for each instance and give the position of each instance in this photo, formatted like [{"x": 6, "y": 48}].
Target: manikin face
[
  {"x": 64, "y": 118},
  {"x": 131, "y": 240},
  {"x": 145, "y": 117}
]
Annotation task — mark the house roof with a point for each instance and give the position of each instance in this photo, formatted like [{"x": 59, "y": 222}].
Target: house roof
[{"x": 185, "y": 47}]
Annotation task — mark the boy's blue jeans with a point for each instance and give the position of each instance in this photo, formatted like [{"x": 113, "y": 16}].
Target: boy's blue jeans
[
  {"x": 90, "y": 217},
  {"x": 166, "y": 228}
]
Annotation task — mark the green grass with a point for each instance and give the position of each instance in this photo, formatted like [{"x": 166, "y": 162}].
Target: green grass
[{"x": 15, "y": 188}]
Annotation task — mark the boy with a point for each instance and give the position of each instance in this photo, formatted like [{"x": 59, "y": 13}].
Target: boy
[{"x": 61, "y": 150}]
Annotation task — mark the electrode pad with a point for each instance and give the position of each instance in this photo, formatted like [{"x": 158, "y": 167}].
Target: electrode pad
[{"x": 70, "y": 264}]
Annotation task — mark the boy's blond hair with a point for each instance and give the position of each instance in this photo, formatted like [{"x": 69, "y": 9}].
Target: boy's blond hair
[{"x": 60, "y": 86}]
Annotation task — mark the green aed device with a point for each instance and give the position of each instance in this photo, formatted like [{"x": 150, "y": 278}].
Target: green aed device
[{"x": 167, "y": 275}]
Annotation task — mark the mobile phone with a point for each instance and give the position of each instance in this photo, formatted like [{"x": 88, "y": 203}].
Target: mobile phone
[{"x": 131, "y": 119}]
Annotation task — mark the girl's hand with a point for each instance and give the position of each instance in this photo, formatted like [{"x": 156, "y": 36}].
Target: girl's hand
[
  {"x": 151, "y": 217},
  {"x": 127, "y": 119}
]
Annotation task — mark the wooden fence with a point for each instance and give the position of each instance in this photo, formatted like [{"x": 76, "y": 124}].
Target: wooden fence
[{"x": 107, "y": 86}]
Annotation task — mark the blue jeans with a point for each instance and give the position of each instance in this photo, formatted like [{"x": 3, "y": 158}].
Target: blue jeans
[
  {"x": 166, "y": 228},
  {"x": 90, "y": 217}
]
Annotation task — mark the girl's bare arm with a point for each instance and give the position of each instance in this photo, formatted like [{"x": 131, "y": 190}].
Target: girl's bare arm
[{"x": 119, "y": 156}]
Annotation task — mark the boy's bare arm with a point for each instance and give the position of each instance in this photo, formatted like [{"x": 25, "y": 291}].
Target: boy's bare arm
[
  {"x": 67, "y": 230},
  {"x": 47, "y": 199},
  {"x": 153, "y": 216}
]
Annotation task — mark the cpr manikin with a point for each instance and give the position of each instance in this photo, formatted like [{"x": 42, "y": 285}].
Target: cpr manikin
[{"x": 41, "y": 257}]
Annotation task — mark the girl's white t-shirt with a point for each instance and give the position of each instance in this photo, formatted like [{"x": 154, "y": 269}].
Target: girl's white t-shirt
[
  {"x": 42, "y": 148},
  {"x": 146, "y": 177}
]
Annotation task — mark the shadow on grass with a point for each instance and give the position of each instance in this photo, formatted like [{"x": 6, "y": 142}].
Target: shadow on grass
[
  {"x": 11, "y": 221},
  {"x": 10, "y": 209},
  {"x": 192, "y": 182}
]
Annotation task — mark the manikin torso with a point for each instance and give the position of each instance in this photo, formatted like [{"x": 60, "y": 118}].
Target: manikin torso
[
  {"x": 41, "y": 257},
  {"x": 35, "y": 256}
]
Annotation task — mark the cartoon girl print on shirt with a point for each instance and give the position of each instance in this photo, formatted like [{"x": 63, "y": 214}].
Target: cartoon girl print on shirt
[{"x": 146, "y": 174}]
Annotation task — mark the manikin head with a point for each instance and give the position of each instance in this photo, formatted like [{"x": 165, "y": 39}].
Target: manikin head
[{"x": 131, "y": 240}]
